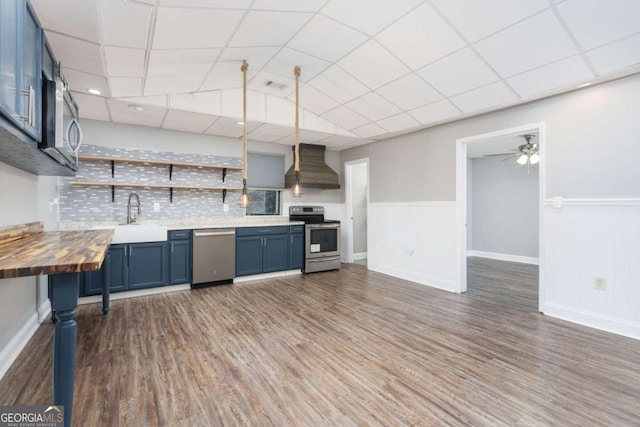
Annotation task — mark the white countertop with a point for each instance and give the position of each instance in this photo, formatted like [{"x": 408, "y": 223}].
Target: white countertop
[{"x": 190, "y": 223}]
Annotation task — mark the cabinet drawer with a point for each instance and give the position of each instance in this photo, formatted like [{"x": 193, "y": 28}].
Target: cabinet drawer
[
  {"x": 179, "y": 234},
  {"x": 296, "y": 229},
  {"x": 261, "y": 231}
]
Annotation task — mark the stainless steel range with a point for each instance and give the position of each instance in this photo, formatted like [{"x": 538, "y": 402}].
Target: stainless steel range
[{"x": 321, "y": 238}]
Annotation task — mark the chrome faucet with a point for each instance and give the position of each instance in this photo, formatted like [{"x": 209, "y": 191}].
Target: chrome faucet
[{"x": 131, "y": 219}]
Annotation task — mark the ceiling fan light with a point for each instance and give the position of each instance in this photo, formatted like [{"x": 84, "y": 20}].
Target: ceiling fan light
[
  {"x": 522, "y": 160},
  {"x": 534, "y": 159}
]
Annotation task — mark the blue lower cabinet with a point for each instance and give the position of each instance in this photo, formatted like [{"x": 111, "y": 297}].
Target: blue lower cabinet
[
  {"x": 179, "y": 257},
  {"x": 275, "y": 254},
  {"x": 296, "y": 251},
  {"x": 248, "y": 255},
  {"x": 117, "y": 273},
  {"x": 261, "y": 250},
  {"x": 148, "y": 265}
]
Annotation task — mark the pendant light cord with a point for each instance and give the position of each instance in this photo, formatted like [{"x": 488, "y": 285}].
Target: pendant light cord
[
  {"x": 244, "y": 68},
  {"x": 296, "y": 72}
]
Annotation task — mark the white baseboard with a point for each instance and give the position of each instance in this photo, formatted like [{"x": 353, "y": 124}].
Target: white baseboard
[
  {"x": 44, "y": 310},
  {"x": 585, "y": 318},
  {"x": 266, "y": 276},
  {"x": 434, "y": 282},
  {"x": 505, "y": 257},
  {"x": 359, "y": 256},
  {"x": 9, "y": 354},
  {"x": 133, "y": 294}
]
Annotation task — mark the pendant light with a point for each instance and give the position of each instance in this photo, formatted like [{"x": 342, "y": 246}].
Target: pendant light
[
  {"x": 244, "y": 198},
  {"x": 296, "y": 190}
]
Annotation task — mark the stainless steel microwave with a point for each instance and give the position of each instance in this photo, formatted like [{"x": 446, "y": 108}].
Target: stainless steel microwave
[{"x": 61, "y": 132}]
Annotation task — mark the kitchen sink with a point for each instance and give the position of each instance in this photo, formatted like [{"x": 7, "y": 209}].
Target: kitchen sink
[{"x": 135, "y": 233}]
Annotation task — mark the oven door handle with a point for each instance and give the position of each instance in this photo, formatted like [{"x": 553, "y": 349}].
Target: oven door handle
[{"x": 327, "y": 258}]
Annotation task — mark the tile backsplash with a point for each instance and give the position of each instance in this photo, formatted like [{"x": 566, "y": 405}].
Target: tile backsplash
[{"x": 94, "y": 203}]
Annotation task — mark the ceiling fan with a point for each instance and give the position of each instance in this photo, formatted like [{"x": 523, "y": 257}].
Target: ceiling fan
[{"x": 527, "y": 153}]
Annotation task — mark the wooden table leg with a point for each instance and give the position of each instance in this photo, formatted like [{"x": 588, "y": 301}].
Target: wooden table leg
[
  {"x": 105, "y": 284},
  {"x": 64, "y": 289}
]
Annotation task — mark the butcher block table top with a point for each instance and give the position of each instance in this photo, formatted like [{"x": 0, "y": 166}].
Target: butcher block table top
[{"x": 27, "y": 250}]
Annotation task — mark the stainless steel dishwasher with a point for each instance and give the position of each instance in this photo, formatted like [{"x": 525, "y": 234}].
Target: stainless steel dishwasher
[{"x": 214, "y": 256}]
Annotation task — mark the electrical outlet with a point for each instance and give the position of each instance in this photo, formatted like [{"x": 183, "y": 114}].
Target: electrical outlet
[
  {"x": 156, "y": 206},
  {"x": 600, "y": 283},
  {"x": 225, "y": 207}
]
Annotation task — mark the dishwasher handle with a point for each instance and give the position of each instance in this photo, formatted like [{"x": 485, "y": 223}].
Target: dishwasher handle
[{"x": 213, "y": 233}]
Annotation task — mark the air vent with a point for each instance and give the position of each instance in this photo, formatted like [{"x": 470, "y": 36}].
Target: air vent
[{"x": 275, "y": 85}]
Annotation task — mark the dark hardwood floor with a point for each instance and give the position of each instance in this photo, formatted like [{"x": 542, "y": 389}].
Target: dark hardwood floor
[{"x": 345, "y": 348}]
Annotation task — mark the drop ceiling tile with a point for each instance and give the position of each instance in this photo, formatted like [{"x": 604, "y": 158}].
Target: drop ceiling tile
[
  {"x": 435, "y": 112},
  {"x": 155, "y": 101},
  {"x": 373, "y": 65},
  {"x": 596, "y": 22},
  {"x": 335, "y": 141},
  {"x": 257, "y": 57},
  {"x": 259, "y": 84},
  {"x": 270, "y": 132},
  {"x": 125, "y": 23},
  {"x": 366, "y": 15},
  {"x": 121, "y": 113},
  {"x": 311, "y": 121},
  {"x": 337, "y": 84},
  {"x": 336, "y": 39},
  {"x": 92, "y": 107},
  {"x": 400, "y": 122},
  {"x": 280, "y": 110},
  {"x": 616, "y": 56},
  {"x": 201, "y": 102},
  {"x": 82, "y": 23},
  {"x": 346, "y": 118},
  {"x": 458, "y": 73},
  {"x": 124, "y": 61},
  {"x": 178, "y": 28},
  {"x": 159, "y": 85},
  {"x": 523, "y": 46},
  {"x": 409, "y": 92},
  {"x": 492, "y": 95},
  {"x": 314, "y": 100},
  {"x": 370, "y": 130},
  {"x": 306, "y": 136},
  {"x": 421, "y": 37},
  {"x": 217, "y": 81},
  {"x": 77, "y": 54},
  {"x": 476, "y": 20},
  {"x": 570, "y": 71},
  {"x": 187, "y": 121},
  {"x": 225, "y": 126},
  {"x": 80, "y": 82},
  {"x": 284, "y": 62},
  {"x": 214, "y": 4},
  {"x": 259, "y": 28},
  {"x": 125, "y": 86},
  {"x": 181, "y": 61},
  {"x": 289, "y": 5},
  {"x": 373, "y": 106},
  {"x": 256, "y": 104}
]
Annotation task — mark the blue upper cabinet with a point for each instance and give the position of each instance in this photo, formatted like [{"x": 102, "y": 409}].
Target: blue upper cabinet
[{"x": 21, "y": 66}]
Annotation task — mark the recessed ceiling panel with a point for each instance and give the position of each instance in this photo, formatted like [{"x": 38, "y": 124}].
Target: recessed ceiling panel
[
  {"x": 370, "y": 130},
  {"x": 202, "y": 102},
  {"x": 92, "y": 107},
  {"x": 257, "y": 57},
  {"x": 327, "y": 39},
  {"x": 493, "y": 95},
  {"x": 125, "y": 23},
  {"x": 337, "y": 84},
  {"x": 616, "y": 56},
  {"x": 81, "y": 82},
  {"x": 435, "y": 112},
  {"x": 150, "y": 116},
  {"x": 397, "y": 123},
  {"x": 409, "y": 92},
  {"x": 178, "y": 28},
  {"x": 187, "y": 121},
  {"x": 478, "y": 19},
  {"x": 261, "y": 28},
  {"x": 270, "y": 132},
  {"x": 457, "y": 73},
  {"x": 373, "y": 106},
  {"x": 173, "y": 84},
  {"x": 280, "y": 111},
  {"x": 346, "y": 118},
  {"x": 82, "y": 23},
  {"x": 125, "y": 86},
  {"x": 124, "y": 61},
  {"x": 229, "y": 127},
  {"x": 524, "y": 46},
  {"x": 216, "y": 81},
  {"x": 181, "y": 61},
  {"x": 421, "y": 37},
  {"x": 596, "y": 22},
  {"x": 314, "y": 100},
  {"x": 77, "y": 54},
  {"x": 373, "y": 65},
  {"x": 566, "y": 72},
  {"x": 366, "y": 15},
  {"x": 289, "y": 5},
  {"x": 284, "y": 62}
]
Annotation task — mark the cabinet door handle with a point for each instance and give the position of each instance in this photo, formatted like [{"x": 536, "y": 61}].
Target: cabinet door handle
[
  {"x": 130, "y": 250},
  {"x": 32, "y": 107},
  {"x": 292, "y": 240},
  {"x": 171, "y": 247}
]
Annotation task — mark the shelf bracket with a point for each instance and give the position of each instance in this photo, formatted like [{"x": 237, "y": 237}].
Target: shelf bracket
[
  {"x": 113, "y": 194},
  {"x": 170, "y": 171},
  {"x": 113, "y": 169},
  {"x": 170, "y": 194},
  {"x": 224, "y": 174},
  {"x": 224, "y": 193}
]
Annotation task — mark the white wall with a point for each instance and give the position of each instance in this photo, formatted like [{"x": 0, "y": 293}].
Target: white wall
[
  {"x": 505, "y": 205},
  {"x": 591, "y": 152},
  {"x": 359, "y": 205}
]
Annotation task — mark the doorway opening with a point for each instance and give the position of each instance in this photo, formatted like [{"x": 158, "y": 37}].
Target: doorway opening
[
  {"x": 500, "y": 182},
  {"x": 357, "y": 203}
]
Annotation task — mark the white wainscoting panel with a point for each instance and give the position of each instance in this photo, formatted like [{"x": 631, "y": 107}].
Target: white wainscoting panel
[
  {"x": 589, "y": 239},
  {"x": 414, "y": 241}
]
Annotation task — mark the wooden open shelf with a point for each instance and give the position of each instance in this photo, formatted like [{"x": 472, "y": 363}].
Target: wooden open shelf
[
  {"x": 171, "y": 187},
  {"x": 157, "y": 162}
]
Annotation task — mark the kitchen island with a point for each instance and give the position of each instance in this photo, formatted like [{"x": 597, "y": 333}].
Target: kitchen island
[{"x": 27, "y": 250}]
